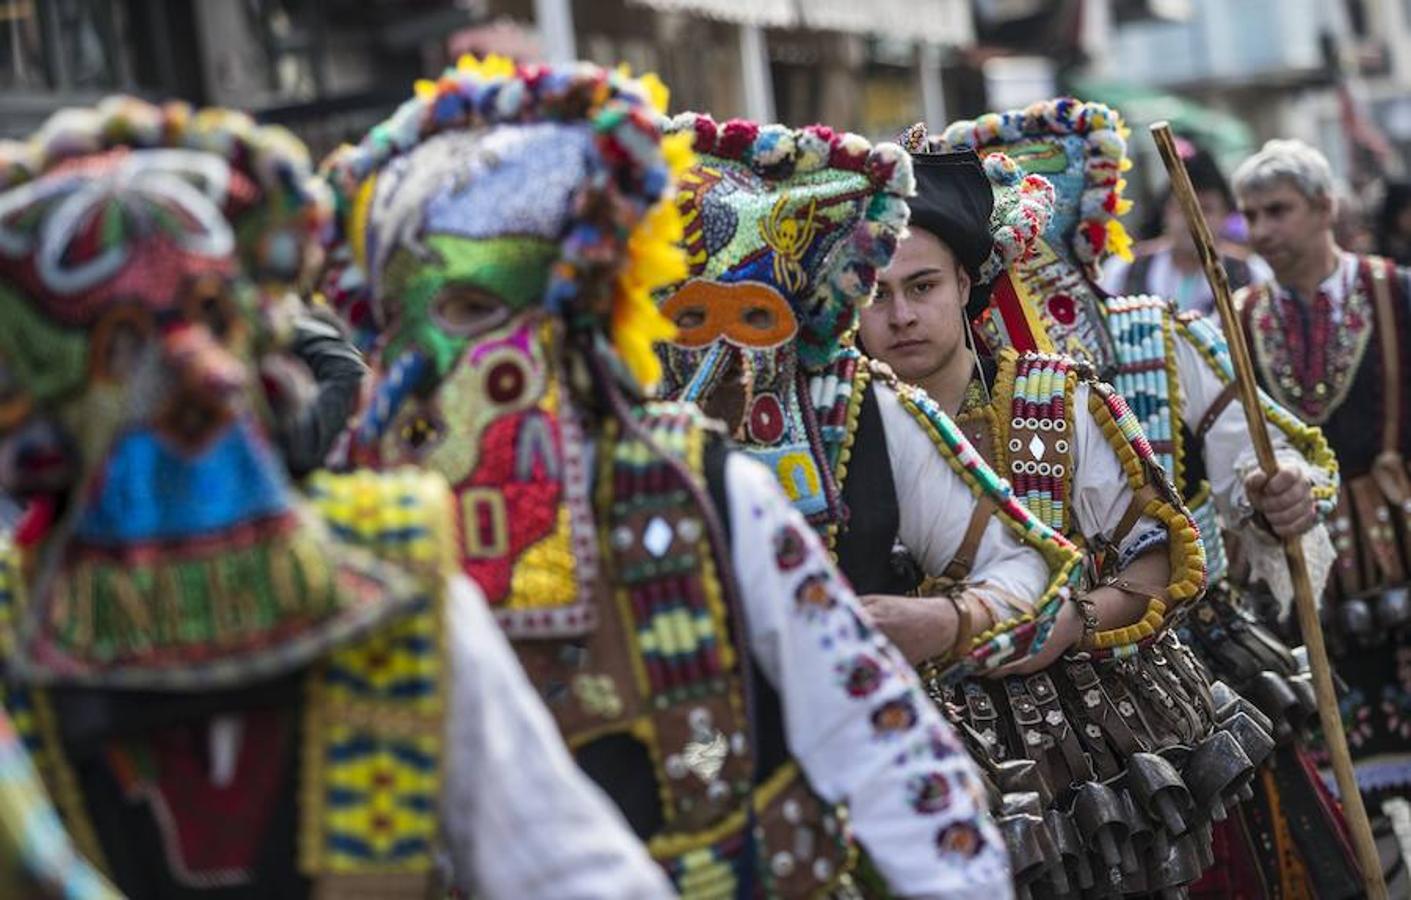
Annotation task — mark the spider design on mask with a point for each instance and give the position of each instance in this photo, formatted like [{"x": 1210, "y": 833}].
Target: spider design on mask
[{"x": 789, "y": 236}]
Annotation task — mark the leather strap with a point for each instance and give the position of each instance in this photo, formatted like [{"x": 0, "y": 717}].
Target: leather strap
[
  {"x": 1140, "y": 498},
  {"x": 964, "y": 623},
  {"x": 964, "y": 560},
  {"x": 1044, "y": 692},
  {"x": 1222, "y": 400},
  {"x": 1137, "y": 589},
  {"x": 1391, "y": 356}
]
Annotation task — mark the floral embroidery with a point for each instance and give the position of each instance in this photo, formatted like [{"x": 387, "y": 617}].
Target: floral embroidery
[
  {"x": 895, "y": 715},
  {"x": 1309, "y": 362},
  {"x": 929, "y": 793},
  {"x": 862, "y": 676},
  {"x": 960, "y": 839},
  {"x": 789, "y": 548},
  {"x": 812, "y": 593}
]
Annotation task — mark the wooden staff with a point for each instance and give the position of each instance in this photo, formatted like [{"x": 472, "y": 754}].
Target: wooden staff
[{"x": 1304, "y": 601}]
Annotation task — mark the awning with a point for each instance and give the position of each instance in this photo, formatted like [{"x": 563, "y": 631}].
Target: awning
[
  {"x": 945, "y": 22},
  {"x": 764, "y": 13},
  {"x": 933, "y": 21}
]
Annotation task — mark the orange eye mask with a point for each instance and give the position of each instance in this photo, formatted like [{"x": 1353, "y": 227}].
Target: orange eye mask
[{"x": 748, "y": 314}]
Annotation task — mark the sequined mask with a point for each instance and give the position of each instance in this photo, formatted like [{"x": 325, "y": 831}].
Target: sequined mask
[
  {"x": 167, "y": 535},
  {"x": 459, "y": 254},
  {"x": 784, "y": 249}
]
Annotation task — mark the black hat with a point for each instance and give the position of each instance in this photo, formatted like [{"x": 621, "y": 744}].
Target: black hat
[{"x": 953, "y": 201}]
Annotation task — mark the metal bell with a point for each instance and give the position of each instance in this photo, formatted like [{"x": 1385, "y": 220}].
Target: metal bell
[
  {"x": 1302, "y": 687},
  {"x": 1181, "y": 865},
  {"x": 1020, "y": 775},
  {"x": 1275, "y": 698},
  {"x": 1217, "y": 769},
  {"x": 1075, "y": 874},
  {"x": 1225, "y": 699},
  {"x": 1026, "y": 856},
  {"x": 1098, "y": 811},
  {"x": 1394, "y": 608},
  {"x": 1160, "y": 790},
  {"x": 1355, "y": 618},
  {"x": 1257, "y": 742}
]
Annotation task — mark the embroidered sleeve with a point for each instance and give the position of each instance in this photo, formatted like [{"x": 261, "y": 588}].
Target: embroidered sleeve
[
  {"x": 519, "y": 817},
  {"x": 1028, "y": 566},
  {"x": 856, "y": 719},
  {"x": 1204, "y": 363}
]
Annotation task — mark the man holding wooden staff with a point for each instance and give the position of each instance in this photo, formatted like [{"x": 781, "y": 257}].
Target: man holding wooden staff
[{"x": 1328, "y": 339}]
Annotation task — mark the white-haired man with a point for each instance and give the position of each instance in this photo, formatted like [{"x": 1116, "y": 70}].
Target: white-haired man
[{"x": 1329, "y": 338}]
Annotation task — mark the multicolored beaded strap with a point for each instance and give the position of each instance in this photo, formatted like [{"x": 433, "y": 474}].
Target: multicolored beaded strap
[
  {"x": 1023, "y": 635},
  {"x": 1187, "y": 553},
  {"x": 671, "y": 592},
  {"x": 1207, "y": 520},
  {"x": 1142, "y": 335},
  {"x": 838, "y": 392},
  {"x": 1040, "y": 388},
  {"x": 1207, "y": 338},
  {"x": 374, "y": 722}
]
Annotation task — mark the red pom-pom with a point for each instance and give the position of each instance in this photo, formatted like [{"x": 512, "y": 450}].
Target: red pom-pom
[
  {"x": 735, "y": 138},
  {"x": 705, "y": 134},
  {"x": 1096, "y": 233}
]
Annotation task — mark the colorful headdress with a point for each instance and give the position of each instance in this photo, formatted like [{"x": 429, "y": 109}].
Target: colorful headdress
[
  {"x": 276, "y": 206},
  {"x": 595, "y": 178},
  {"x": 1081, "y": 149},
  {"x": 164, "y": 548},
  {"x": 810, "y": 213}
]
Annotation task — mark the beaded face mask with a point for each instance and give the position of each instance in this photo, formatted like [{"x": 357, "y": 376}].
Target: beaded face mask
[
  {"x": 785, "y": 231},
  {"x": 487, "y": 246},
  {"x": 170, "y": 550},
  {"x": 126, "y": 342}
]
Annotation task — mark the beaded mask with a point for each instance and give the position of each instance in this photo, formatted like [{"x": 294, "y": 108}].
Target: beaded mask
[
  {"x": 785, "y": 232},
  {"x": 1080, "y": 148},
  {"x": 170, "y": 550},
  {"x": 508, "y": 224}
]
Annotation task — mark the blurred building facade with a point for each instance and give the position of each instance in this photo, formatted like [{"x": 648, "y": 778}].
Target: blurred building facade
[{"x": 1232, "y": 72}]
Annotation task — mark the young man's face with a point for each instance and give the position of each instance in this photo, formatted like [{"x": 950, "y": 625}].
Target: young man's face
[
  {"x": 916, "y": 323},
  {"x": 1284, "y": 225}
]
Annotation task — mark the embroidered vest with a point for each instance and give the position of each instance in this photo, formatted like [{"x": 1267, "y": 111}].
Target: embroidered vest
[
  {"x": 1362, "y": 381},
  {"x": 662, "y": 680},
  {"x": 366, "y": 771}
]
